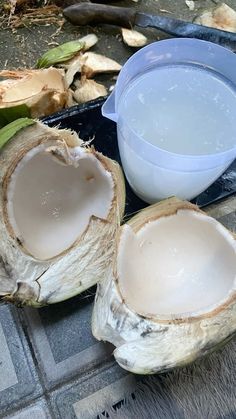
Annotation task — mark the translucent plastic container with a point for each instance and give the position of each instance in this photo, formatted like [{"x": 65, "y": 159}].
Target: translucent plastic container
[{"x": 175, "y": 108}]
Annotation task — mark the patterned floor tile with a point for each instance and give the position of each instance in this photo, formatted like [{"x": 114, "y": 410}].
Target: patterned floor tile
[
  {"x": 38, "y": 410},
  {"x": 62, "y": 340},
  {"x": 229, "y": 221},
  {"x": 100, "y": 394},
  {"x": 18, "y": 378}
]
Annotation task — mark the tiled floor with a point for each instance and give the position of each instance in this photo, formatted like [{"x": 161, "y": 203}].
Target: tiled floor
[
  {"x": 52, "y": 367},
  {"x": 50, "y": 352},
  {"x": 62, "y": 341}
]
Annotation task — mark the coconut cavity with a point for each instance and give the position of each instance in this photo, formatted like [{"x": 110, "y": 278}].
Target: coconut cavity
[
  {"x": 179, "y": 264},
  {"x": 50, "y": 203}
]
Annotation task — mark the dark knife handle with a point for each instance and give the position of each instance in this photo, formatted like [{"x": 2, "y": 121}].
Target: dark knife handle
[{"x": 89, "y": 14}]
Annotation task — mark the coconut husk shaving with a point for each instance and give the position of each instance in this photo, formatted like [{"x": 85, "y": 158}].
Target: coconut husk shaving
[
  {"x": 133, "y": 38},
  {"x": 92, "y": 63},
  {"x": 88, "y": 89},
  {"x": 89, "y": 64},
  {"x": 221, "y": 17}
]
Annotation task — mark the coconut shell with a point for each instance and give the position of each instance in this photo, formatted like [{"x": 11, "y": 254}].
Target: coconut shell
[
  {"x": 26, "y": 280},
  {"x": 147, "y": 345}
]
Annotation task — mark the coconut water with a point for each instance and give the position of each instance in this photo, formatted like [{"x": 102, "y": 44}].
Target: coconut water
[{"x": 185, "y": 110}]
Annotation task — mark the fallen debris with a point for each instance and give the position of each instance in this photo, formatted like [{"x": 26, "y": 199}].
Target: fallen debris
[
  {"x": 221, "y": 17},
  {"x": 49, "y": 14},
  {"x": 88, "y": 90},
  {"x": 133, "y": 38},
  {"x": 92, "y": 63},
  {"x": 59, "y": 54},
  {"x": 72, "y": 70},
  {"x": 190, "y": 4},
  {"x": 31, "y": 93}
]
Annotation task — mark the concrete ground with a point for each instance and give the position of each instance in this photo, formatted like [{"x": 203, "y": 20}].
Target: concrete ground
[
  {"x": 50, "y": 365},
  {"x": 23, "y": 46}
]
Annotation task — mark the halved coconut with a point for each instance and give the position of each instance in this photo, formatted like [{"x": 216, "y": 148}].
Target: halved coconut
[
  {"x": 31, "y": 93},
  {"x": 171, "y": 294},
  {"x": 60, "y": 206}
]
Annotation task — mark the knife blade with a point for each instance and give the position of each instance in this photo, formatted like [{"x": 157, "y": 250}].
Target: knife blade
[{"x": 91, "y": 13}]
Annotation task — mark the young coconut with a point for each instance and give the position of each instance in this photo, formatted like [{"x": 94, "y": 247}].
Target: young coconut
[
  {"x": 31, "y": 93},
  {"x": 171, "y": 294},
  {"x": 60, "y": 206},
  {"x": 90, "y": 64}
]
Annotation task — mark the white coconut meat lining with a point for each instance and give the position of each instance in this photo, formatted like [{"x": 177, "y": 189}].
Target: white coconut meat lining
[
  {"x": 179, "y": 265},
  {"x": 49, "y": 203}
]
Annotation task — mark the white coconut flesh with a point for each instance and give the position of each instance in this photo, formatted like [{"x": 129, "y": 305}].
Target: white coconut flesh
[
  {"x": 179, "y": 265},
  {"x": 49, "y": 204}
]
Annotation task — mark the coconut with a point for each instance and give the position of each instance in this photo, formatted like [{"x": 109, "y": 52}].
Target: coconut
[
  {"x": 92, "y": 63},
  {"x": 170, "y": 296},
  {"x": 61, "y": 203},
  {"x": 31, "y": 93}
]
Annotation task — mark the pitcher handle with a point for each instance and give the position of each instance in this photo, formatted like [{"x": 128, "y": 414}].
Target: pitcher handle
[{"x": 108, "y": 108}]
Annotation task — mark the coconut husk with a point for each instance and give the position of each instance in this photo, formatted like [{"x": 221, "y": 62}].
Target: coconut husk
[
  {"x": 133, "y": 38},
  {"x": 88, "y": 89},
  {"x": 26, "y": 275},
  {"x": 92, "y": 63},
  {"x": 31, "y": 93},
  {"x": 149, "y": 341},
  {"x": 221, "y": 17}
]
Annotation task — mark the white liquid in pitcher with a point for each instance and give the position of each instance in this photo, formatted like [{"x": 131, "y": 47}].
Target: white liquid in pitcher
[{"x": 184, "y": 110}]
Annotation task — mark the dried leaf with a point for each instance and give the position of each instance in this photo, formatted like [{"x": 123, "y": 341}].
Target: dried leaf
[
  {"x": 133, "y": 38},
  {"x": 221, "y": 17},
  {"x": 88, "y": 90}
]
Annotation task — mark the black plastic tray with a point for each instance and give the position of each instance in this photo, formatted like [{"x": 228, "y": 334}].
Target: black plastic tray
[{"x": 88, "y": 121}]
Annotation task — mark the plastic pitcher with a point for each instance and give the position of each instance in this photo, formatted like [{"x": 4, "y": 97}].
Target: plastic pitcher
[{"x": 155, "y": 172}]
